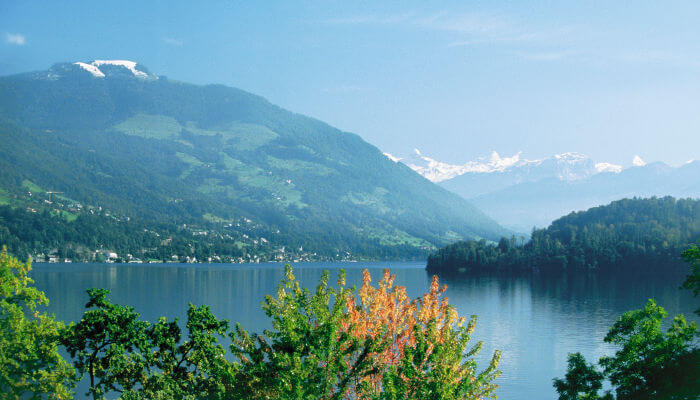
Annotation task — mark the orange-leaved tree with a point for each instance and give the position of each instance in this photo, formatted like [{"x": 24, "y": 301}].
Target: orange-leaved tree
[
  {"x": 331, "y": 345},
  {"x": 386, "y": 311}
]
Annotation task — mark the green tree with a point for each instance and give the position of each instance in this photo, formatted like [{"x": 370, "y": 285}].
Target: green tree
[
  {"x": 109, "y": 344},
  {"x": 581, "y": 382},
  {"x": 652, "y": 364},
  {"x": 324, "y": 345},
  {"x": 186, "y": 368},
  {"x": 307, "y": 354},
  {"x": 30, "y": 365},
  {"x": 692, "y": 281},
  {"x": 120, "y": 353},
  {"x": 438, "y": 368}
]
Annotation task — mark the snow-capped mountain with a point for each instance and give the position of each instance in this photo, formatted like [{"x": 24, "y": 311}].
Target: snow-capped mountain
[
  {"x": 438, "y": 171},
  {"x": 565, "y": 166},
  {"x": 94, "y": 67},
  {"x": 521, "y": 193},
  {"x": 99, "y": 69},
  {"x": 608, "y": 167},
  {"x": 522, "y": 206},
  {"x": 114, "y": 134}
]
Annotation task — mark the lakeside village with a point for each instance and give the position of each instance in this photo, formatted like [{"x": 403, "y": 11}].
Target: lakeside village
[
  {"x": 177, "y": 247},
  {"x": 264, "y": 252},
  {"x": 108, "y": 256}
]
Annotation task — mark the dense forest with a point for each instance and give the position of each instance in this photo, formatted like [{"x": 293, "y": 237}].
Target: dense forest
[{"x": 626, "y": 233}]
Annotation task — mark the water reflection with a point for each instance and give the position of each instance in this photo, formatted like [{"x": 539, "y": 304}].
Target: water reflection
[{"x": 536, "y": 320}]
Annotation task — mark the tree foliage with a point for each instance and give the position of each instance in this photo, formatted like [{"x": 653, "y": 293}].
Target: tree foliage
[
  {"x": 322, "y": 344},
  {"x": 581, "y": 382},
  {"x": 327, "y": 345},
  {"x": 649, "y": 364},
  {"x": 123, "y": 354},
  {"x": 692, "y": 281},
  {"x": 30, "y": 365}
]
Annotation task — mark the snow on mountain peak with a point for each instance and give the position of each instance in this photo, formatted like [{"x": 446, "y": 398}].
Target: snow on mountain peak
[
  {"x": 434, "y": 170},
  {"x": 570, "y": 166},
  {"x": 638, "y": 162},
  {"x": 438, "y": 171},
  {"x": 91, "y": 69},
  {"x": 608, "y": 167},
  {"x": 498, "y": 163},
  {"x": 94, "y": 67},
  {"x": 571, "y": 157},
  {"x": 130, "y": 65}
]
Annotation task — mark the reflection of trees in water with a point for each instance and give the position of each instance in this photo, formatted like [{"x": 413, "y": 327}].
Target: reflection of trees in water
[{"x": 536, "y": 319}]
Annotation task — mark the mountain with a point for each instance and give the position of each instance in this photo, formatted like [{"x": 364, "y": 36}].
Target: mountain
[
  {"x": 111, "y": 135},
  {"x": 638, "y": 234},
  {"x": 566, "y": 166},
  {"x": 521, "y": 193},
  {"x": 525, "y": 205}
]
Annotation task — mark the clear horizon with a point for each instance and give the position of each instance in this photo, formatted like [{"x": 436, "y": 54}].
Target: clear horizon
[{"x": 456, "y": 82}]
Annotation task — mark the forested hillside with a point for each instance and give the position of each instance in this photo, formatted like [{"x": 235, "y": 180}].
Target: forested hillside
[
  {"x": 168, "y": 154},
  {"x": 629, "y": 233}
]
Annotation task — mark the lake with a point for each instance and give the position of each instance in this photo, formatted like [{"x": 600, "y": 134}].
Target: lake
[{"x": 536, "y": 320}]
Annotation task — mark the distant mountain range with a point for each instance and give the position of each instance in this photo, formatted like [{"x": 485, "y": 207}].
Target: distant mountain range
[
  {"x": 113, "y": 135},
  {"x": 521, "y": 193}
]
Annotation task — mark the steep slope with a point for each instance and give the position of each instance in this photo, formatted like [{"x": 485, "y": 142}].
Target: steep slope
[{"x": 112, "y": 134}]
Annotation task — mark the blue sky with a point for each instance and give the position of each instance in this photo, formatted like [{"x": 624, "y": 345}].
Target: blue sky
[{"x": 454, "y": 79}]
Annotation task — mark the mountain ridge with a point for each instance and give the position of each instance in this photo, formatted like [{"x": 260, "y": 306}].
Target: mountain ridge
[
  {"x": 180, "y": 152},
  {"x": 439, "y": 171},
  {"x": 521, "y": 194}
]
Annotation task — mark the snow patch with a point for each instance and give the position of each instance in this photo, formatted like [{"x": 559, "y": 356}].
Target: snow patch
[
  {"x": 438, "y": 171},
  {"x": 392, "y": 158},
  {"x": 498, "y": 163},
  {"x": 570, "y": 166},
  {"x": 571, "y": 157},
  {"x": 638, "y": 162},
  {"x": 608, "y": 167},
  {"x": 94, "y": 67},
  {"x": 130, "y": 65},
  {"x": 91, "y": 69}
]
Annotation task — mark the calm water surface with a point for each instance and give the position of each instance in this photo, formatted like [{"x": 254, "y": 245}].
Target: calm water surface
[{"x": 535, "y": 319}]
